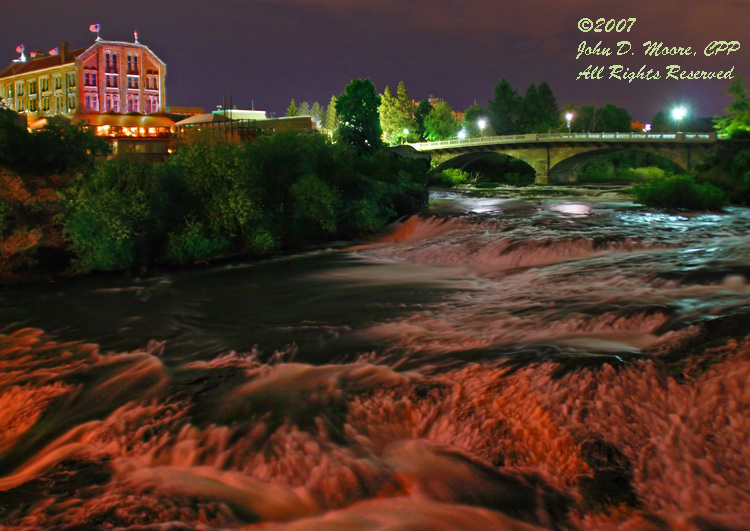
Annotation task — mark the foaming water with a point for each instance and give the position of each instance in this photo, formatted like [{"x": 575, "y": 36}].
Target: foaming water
[{"x": 504, "y": 364}]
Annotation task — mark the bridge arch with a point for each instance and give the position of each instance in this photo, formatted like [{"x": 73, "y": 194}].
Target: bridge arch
[
  {"x": 462, "y": 161},
  {"x": 566, "y": 169}
]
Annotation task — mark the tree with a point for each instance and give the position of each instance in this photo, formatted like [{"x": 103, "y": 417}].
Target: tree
[
  {"x": 504, "y": 108},
  {"x": 397, "y": 114},
  {"x": 614, "y": 119},
  {"x": 389, "y": 115},
  {"x": 472, "y": 115},
  {"x": 292, "y": 109},
  {"x": 359, "y": 120},
  {"x": 531, "y": 111},
  {"x": 736, "y": 119},
  {"x": 406, "y": 108},
  {"x": 660, "y": 122},
  {"x": 421, "y": 112},
  {"x": 439, "y": 123},
  {"x": 317, "y": 114},
  {"x": 550, "y": 116},
  {"x": 332, "y": 117},
  {"x": 303, "y": 109},
  {"x": 607, "y": 119}
]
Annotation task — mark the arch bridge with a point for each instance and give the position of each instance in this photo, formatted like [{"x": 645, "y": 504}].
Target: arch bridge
[{"x": 556, "y": 156}]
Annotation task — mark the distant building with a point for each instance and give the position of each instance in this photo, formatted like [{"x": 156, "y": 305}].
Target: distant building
[
  {"x": 108, "y": 76},
  {"x": 186, "y": 111}
]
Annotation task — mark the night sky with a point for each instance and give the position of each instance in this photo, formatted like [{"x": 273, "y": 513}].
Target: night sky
[{"x": 266, "y": 52}]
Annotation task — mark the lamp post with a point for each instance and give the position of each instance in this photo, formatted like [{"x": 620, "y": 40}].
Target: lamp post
[
  {"x": 482, "y": 123},
  {"x": 462, "y": 134},
  {"x": 568, "y": 118},
  {"x": 678, "y": 114},
  {"x": 406, "y": 133}
]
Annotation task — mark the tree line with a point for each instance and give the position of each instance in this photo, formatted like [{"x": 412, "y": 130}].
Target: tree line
[{"x": 403, "y": 119}]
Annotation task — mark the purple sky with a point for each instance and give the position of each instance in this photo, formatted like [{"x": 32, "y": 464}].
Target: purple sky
[{"x": 269, "y": 51}]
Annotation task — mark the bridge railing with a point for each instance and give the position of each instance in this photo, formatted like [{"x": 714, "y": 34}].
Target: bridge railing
[{"x": 567, "y": 137}]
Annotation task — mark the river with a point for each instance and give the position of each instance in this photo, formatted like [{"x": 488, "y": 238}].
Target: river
[{"x": 489, "y": 363}]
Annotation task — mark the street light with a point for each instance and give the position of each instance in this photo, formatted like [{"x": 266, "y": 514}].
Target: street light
[
  {"x": 462, "y": 134},
  {"x": 406, "y": 132},
  {"x": 678, "y": 114},
  {"x": 569, "y": 117},
  {"x": 482, "y": 123}
]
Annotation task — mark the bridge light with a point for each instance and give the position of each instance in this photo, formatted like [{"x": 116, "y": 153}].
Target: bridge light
[
  {"x": 462, "y": 134},
  {"x": 568, "y": 118},
  {"x": 678, "y": 114}
]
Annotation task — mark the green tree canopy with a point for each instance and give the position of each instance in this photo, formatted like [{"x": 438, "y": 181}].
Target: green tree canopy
[
  {"x": 303, "y": 109},
  {"x": 660, "y": 122},
  {"x": 470, "y": 123},
  {"x": 420, "y": 113},
  {"x": 359, "y": 119},
  {"x": 736, "y": 119},
  {"x": 550, "y": 115},
  {"x": 504, "y": 109},
  {"x": 331, "y": 117},
  {"x": 397, "y": 114},
  {"x": 292, "y": 109},
  {"x": 607, "y": 119},
  {"x": 317, "y": 113},
  {"x": 439, "y": 123},
  {"x": 531, "y": 116}
]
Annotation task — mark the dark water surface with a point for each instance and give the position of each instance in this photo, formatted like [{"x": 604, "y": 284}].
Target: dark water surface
[{"x": 486, "y": 364}]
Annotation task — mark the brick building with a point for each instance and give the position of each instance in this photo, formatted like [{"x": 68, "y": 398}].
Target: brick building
[{"x": 108, "y": 76}]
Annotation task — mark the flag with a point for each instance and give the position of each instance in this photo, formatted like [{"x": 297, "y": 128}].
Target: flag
[
  {"x": 54, "y": 51},
  {"x": 94, "y": 28},
  {"x": 19, "y": 48},
  {"x": 33, "y": 54}
]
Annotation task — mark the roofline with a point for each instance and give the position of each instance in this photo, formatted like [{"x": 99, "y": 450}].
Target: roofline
[
  {"x": 70, "y": 63},
  {"x": 122, "y": 43}
]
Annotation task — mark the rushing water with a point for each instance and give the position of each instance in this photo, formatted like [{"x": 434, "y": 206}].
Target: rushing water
[{"x": 487, "y": 364}]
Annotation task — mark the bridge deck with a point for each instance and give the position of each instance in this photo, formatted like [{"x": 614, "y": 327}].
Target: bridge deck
[{"x": 704, "y": 138}]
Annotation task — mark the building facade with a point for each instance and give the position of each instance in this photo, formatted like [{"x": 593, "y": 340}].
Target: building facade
[{"x": 108, "y": 76}]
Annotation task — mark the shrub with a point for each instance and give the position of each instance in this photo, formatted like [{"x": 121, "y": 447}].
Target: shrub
[
  {"x": 451, "y": 177},
  {"x": 213, "y": 200},
  {"x": 111, "y": 215},
  {"x": 649, "y": 172},
  {"x": 679, "y": 191}
]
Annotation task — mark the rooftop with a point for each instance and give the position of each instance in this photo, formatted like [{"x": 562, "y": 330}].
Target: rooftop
[{"x": 40, "y": 63}]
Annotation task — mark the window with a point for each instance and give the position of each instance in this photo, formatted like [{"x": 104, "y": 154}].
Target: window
[
  {"x": 133, "y": 103},
  {"x": 32, "y": 105},
  {"x": 71, "y": 80},
  {"x": 58, "y": 82},
  {"x": 112, "y": 102},
  {"x": 45, "y": 103},
  {"x": 152, "y": 104},
  {"x": 114, "y": 63},
  {"x": 19, "y": 89},
  {"x": 45, "y": 84},
  {"x": 135, "y": 64},
  {"x": 71, "y": 103},
  {"x": 86, "y": 80},
  {"x": 32, "y": 87},
  {"x": 130, "y": 65}
]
